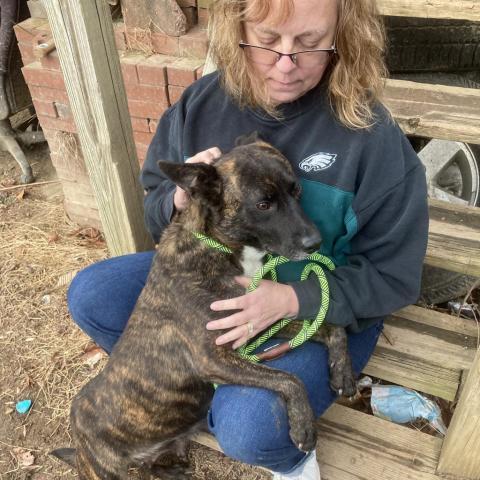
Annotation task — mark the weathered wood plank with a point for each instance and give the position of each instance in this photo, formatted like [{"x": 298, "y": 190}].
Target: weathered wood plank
[
  {"x": 461, "y": 9},
  {"x": 460, "y": 451},
  {"x": 353, "y": 445},
  {"x": 454, "y": 237},
  {"x": 83, "y": 33},
  {"x": 435, "y": 111},
  {"x": 356, "y": 446}
]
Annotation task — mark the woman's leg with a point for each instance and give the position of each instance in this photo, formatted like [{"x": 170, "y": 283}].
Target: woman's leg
[
  {"x": 251, "y": 424},
  {"x": 101, "y": 297}
]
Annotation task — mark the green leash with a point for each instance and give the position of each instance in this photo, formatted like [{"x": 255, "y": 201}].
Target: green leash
[{"x": 309, "y": 327}]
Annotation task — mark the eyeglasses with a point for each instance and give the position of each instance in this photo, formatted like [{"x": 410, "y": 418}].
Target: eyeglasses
[{"x": 303, "y": 59}]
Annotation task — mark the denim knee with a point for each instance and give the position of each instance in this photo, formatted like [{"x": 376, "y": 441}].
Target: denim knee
[
  {"x": 251, "y": 425},
  {"x": 101, "y": 297}
]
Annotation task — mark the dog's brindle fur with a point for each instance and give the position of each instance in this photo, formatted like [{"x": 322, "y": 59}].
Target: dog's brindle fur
[{"x": 156, "y": 388}]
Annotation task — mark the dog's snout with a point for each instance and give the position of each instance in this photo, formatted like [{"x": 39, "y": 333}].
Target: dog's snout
[{"x": 311, "y": 242}]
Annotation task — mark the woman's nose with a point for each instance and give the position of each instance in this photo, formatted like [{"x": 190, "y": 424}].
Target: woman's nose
[{"x": 285, "y": 64}]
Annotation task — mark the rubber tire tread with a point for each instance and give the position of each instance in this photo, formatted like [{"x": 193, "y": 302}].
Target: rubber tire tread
[{"x": 434, "y": 45}]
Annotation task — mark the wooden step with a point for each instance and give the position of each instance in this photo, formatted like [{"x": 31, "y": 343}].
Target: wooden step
[
  {"x": 356, "y": 446},
  {"x": 454, "y": 237},
  {"x": 435, "y": 111},
  {"x": 459, "y": 9},
  {"x": 424, "y": 350}
]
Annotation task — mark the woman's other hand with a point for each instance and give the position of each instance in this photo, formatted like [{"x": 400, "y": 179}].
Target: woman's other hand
[{"x": 181, "y": 198}]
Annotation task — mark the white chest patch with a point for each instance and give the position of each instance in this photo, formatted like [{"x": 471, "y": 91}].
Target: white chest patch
[{"x": 251, "y": 260}]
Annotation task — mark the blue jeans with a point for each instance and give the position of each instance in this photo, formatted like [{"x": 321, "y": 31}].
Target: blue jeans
[{"x": 250, "y": 424}]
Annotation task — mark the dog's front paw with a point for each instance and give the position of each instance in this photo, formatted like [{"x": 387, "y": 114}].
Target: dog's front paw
[
  {"x": 342, "y": 379},
  {"x": 304, "y": 436},
  {"x": 302, "y": 427}
]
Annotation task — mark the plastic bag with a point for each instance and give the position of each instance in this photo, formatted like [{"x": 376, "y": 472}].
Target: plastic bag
[{"x": 402, "y": 405}]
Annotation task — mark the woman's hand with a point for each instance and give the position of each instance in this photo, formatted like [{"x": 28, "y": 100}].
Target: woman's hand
[
  {"x": 259, "y": 309},
  {"x": 180, "y": 197}
]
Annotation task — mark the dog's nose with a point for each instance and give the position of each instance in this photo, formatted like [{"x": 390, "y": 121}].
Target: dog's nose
[{"x": 311, "y": 243}]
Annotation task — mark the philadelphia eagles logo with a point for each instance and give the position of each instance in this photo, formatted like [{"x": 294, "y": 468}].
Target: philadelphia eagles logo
[{"x": 318, "y": 161}]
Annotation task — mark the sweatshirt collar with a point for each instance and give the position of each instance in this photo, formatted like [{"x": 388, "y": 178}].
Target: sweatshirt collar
[{"x": 291, "y": 110}]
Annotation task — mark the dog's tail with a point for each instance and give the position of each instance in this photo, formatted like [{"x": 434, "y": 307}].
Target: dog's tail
[{"x": 67, "y": 455}]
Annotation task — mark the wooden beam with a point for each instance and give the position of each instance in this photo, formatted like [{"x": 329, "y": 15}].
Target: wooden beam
[
  {"x": 84, "y": 38},
  {"x": 435, "y": 111},
  {"x": 460, "y": 451},
  {"x": 459, "y": 9},
  {"x": 454, "y": 237}
]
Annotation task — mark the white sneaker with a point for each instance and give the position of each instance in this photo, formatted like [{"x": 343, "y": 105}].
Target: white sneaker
[{"x": 308, "y": 470}]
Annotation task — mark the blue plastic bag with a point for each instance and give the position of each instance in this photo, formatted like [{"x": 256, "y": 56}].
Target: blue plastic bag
[{"x": 402, "y": 405}]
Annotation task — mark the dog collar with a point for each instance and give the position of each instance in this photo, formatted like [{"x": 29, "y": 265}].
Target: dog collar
[{"x": 211, "y": 242}]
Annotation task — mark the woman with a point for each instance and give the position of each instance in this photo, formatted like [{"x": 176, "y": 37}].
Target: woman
[{"x": 306, "y": 75}]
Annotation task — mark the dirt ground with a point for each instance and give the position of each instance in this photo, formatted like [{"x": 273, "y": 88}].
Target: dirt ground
[{"x": 43, "y": 356}]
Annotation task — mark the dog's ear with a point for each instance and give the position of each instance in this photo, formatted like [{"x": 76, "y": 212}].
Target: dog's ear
[
  {"x": 197, "y": 179},
  {"x": 67, "y": 455},
  {"x": 248, "y": 139}
]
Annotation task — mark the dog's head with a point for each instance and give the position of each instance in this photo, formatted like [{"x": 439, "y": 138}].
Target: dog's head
[{"x": 251, "y": 196}]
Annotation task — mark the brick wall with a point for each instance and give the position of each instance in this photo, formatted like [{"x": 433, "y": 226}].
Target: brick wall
[{"x": 156, "y": 69}]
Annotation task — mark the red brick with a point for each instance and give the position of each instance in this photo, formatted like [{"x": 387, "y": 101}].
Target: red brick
[
  {"x": 36, "y": 75},
  {"x": 138, "y": 39},
  {"x": 26, "y": 30},
  {"x": 58, "y": 124},
  {"x": 140, "y": 124},
  {"x": 46, "y": 94},
  {"x": 129, "y": 62},
  {"x": 191, "y": 16},
  {"x": 194, "y": 43},
  {"x": 203, "y": 16},
  {"x": 26, "y": 51},
  {"x": 199, "y": 72},
  {"x": 153, "y": 71},
  {"x": 147, "y": 93},
  {"x": 22, "y": 34},
  {"x": 51, "y": 61},
  {"x": 45, "y": 108},
  {"x": 63, "y": 110},
  {"x": 146, "y": 109},
  {"x": 165, "y": 44},
  {"x": 143, "y": 138},
  {"x": 152, "y": 125},
  {"x": 174, "y": 93},
  {"x": 141, "y": 152},
  {"x": 182, "y": 72},
  {"x": 119, "y": 31}
]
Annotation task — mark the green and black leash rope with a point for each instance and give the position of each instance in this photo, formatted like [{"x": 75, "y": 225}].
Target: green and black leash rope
[{"x": 309, "y": 327}]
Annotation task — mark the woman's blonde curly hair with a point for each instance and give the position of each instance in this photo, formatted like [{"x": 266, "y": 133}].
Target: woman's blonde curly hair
[{"x": 355, "y": 76}]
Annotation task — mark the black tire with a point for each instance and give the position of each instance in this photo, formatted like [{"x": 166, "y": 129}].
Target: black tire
[
  {"x": 432, "y": 45},
  {"x": 439, "y": 285}
]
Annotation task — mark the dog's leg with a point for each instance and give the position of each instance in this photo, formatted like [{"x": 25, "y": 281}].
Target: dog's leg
[
  {"x": 342, "y": 377},
  {"x": 228, "y": 367}
]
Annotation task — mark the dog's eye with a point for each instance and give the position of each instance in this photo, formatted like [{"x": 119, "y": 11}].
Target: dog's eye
[{"x": 263, "y": 205}]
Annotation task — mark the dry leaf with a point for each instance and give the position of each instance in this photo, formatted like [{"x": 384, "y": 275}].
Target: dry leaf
[
  {"x": 93, "y": 356},
  {"x": 24, "y": 458},
  {"x": 53, "y": 237},
  {"x": 20, "y": 194},
  {"x": 66, "y": 278}
]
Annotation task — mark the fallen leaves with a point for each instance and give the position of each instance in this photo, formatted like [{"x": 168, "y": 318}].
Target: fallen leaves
[{"x": 93, "y": 354}]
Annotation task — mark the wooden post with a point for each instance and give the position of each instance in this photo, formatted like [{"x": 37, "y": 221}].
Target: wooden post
[
  {"x": 83, "y": 34},
  {"x": 460, "y": 452}
]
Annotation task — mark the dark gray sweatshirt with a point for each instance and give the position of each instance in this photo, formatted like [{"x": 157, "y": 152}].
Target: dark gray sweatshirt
[{"x": 364, "y": 189}]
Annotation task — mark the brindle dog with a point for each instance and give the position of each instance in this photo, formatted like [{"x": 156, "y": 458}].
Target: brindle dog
[{"x": 156, "y": 388}]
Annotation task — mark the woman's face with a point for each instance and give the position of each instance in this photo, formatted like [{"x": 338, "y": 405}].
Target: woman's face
[{"x": 312, "y": 25}]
